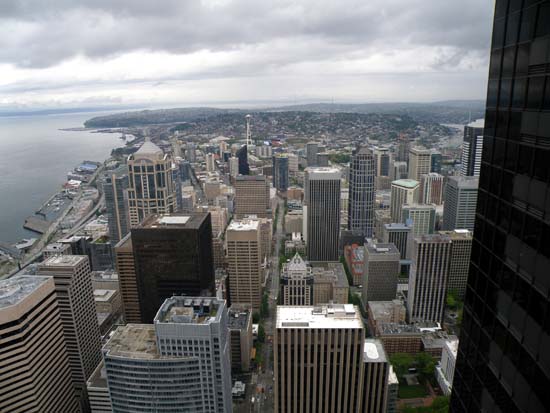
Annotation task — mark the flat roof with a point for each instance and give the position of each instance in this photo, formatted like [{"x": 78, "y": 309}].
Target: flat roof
[
  {"x": 383, "y": 308},
  {"x": 243, "y": 225},
  {"x": 16, "y": 289},
  {"x": 63, "y": 260},
  {"x": 382, "y": 248},
  {"x": 458, "y": 234},
  {"x": 478, "y": 123},
  {"x": 406, "y": 183},
  {"x": 323, "y": 172},
  {"x": 175, "y": 221},
  {"x": 103, "y": 295},
  {"x": 333, "y": 316},
  {"x": 373, "y": 351},
  {"x": 238, "y": 318},
  {"x": 189, "y": 310},
  {"x": 133, "y": 341}
]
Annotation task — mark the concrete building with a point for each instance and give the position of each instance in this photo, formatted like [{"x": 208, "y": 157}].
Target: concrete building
[
  {"x": 382, "y": 157},
  {"x": 150, "y": 186},
  {"x": 296, "y": 282},
  {"x": 126, "y": 269},
  {"x": 381, "y": 273},
  {"x": 183, "y": 358},
  {"x": 115, "y": 188},
  {"x": 399, "y": 337},
  {"x": 381, "y": 218},
  {"x": 399, "y": 235},
  {"x": 56, "y": 248},
  {"x": 322, "y": 213},
  {"x": 243, "y": 239},
  {"x": 361, "y": 192},
  {"x": 294, "y": 222},
  {"x": 73, "y": 287},
  {"x": 461, "y": 249},
  {"x": 420, "y": 217},
  {"x": 444, "y": 372},
  {"x": 403, "y": 191},
  {"x": 393, "y": 392},
  {"x": 437, "y": 160},
  {"x": 393, "y": 311},
  {"x": 35, "y": 374},
  {"x": 293, "y": 162},
  {"x": 429, "y": 278},
  {"x": 431, "y": 189},
  {"x": 252, "y": 196},
  {"x": 460, "y": 203},
  {"x": 354, "y": 255},
  {"x": 210, "y": 162},
  {"x": 375, "y": 377},
  {"x": 472, "y": 148},
  {"x": 240, "y": 337},
  {"x": 420, "y": 163},
  {"x": 330, "y": 284},
  {"x": 280, "y": 172},
  {"x": 100, "y": 252},
  {"x": 98, "y": 391},
  {"x": 172, "y": 255},
  {"x": 312, "y": 149},
  {"x": 400, "y": 170},
  {"x": 323, "y": 159},
  {"x": 233, "y": 167}
]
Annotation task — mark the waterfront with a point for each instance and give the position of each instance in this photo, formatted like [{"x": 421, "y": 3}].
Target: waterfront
[{"x": 35, "y": 159}]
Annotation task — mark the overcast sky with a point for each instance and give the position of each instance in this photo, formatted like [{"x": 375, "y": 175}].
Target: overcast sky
[{"x": 221, "y": 52}]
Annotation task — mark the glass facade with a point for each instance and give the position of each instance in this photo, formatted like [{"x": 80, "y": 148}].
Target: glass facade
[{"x": 503, "y": 360}]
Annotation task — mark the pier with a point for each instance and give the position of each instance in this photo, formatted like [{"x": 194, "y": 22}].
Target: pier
[{"x": 36, "y": 224}]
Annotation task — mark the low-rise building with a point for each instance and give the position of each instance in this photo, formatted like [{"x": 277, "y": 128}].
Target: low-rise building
[
  {"x": 385, "y": 312},
  {"x": 330, "y": 283}
]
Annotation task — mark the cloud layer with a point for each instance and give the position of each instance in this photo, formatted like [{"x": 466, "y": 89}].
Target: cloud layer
[{"x": 66, "y": 51}]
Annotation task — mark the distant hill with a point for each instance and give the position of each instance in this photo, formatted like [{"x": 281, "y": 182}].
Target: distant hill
[{"x": 453, "y": 111}]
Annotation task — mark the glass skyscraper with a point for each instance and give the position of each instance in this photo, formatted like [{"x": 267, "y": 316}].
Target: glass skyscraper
[{"x": 503, "y": 360}]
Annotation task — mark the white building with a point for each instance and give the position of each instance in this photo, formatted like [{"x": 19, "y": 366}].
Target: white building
[{"x": 445, "y": 370}]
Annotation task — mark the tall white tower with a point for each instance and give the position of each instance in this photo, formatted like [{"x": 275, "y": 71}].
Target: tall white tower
[{"x": 248, "y": 135}]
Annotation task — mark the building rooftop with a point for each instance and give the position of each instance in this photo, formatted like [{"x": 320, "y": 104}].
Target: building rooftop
[
  {"x": 243, "y": 225},
  {"x": 323, "y": 316},
  {"x": 98, "y": 379},
  {"x": 238, "y": 318},
  {"x": 175, "y": 221},
  {"x": 250, "y": 178},
  {"x": 107, "y": 275},
  {"x": 330, "y": 270},
  {"x": 189, "y": 310},
  {"x": 149, "y": 148},
  {"x": 478, "y": 123},
  {"x": 397, "y": 227},
  {"x": 373, "y": 351},
  {"x": 384, "y": 309},
  {"x": 16, "y": 289},
  {"x": 437, "y": 339},
  {"x": 381, "y": 249},
  {"x": 464, "y": 182},
  {"x": 406, "y": 183},
  {"x": 458, "y": 234},
  {"x": 133, "y": 341},
  {"x": 323, "y": 172},
  {"x": 104, "y": 295},
  {"x": 433, "y": 238},
  {"x": 63, "y": 261}
]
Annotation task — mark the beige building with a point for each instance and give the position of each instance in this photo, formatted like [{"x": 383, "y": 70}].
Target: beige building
[
  {"x": 35, "y": 375},
  {"x": 252, "y": 196},
  {"x": 240, "y": 337},
  {"x": 381, "y": 218},
  {"x": 324, "y": 364},
  {"x": 150, "y": 186},
  {"x": 403, "y": 191},
  {"x": 243, "y": 246},
  {"x": 461, "y": 249},
  {"x": 420, "y": 162},
  {"x": 393, "y": 311},
  {"x": 126, "y": 269},
  {"x": 107, "y": 301},
  {"x": 98, "y": 391},
  {"x": 294, "y": 222},
  {"x": 330, "y": 283}
]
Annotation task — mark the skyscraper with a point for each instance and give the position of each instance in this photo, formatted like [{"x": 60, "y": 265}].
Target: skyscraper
[
  {"x": 459, "y": 210},
  {"x": 403, "y": 147},
  {"x": 181, "y": 363},
  {"x": 428, "y": 278},
  {"x": 296, "y": 282},
  {"x": 382, "y": 158},
  {"x": 252, "y": 196},
  {"x": 280, "y": 172},
  {"x": 431, "y": 188},
  {"x": 151, "y": 189},
  {"x": 242, "y": 156},
  {"x": 35, "y": 375},
  {"x": 312, "y": 148},
  {"x": 322, "y": 205},
  {"x": 75, "y": 295},
  {"x": 403, "y": 191},
  {"x": 126, "y": 269},
  {"x": 461, "y": 248},
  {"x": 172, "y": 256},
  {"x": 503, "y": 361},
  {"x": 472, "y": 148},
  {"x": 421, "y": 217},
  {"x": 399, "y": 235},
  {"x": 361, "y": 192},
  {"x": 437, "y": 159},
  {"x": 380, "y": 273},
  {"x": 420, "y": 162},
  {"x": 115, "y": 185}
]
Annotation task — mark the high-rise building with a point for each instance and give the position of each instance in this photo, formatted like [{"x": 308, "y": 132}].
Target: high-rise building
[
  {"x": 181, "y": 363},
  {"x": 322, "y": 362},
  {"x": 242, "y": 156},
  {"x": 75, "y": 295},
  {"x": 296, "y": 282},
  {"x": 382, "y": 158},
  {"x": 445, "y": 371},
  {"x": 243, "y": 244},
  {"x": 150, "y": 186},
  {"x": 293, "y": 162},
  {"x": 503, "y": 361},
  {"x": 431, "y": 188},
  {"x": 472, "y": 148},
  {"x": 115, "y": 185},
  {"x": 126, "y": 269},
  {"x": 35, "y": 375},
  {"x": 252, "y": 196},
  {"x": 399, "y": 171},
  {"x": 210, "y": 162},
  {"x": 361, "y": 192},
  {"x": 234, "y": 166},
  {"x": 191, "y": 152},
  {"x": 403, "y": 147},
  {"x": 403, "y": 191},
  {"x": 312, "y": 149},
  {"x": 380, "y": 273},
  {"x": 322, "y": 210},
  {"x": 280, "y": 172},
  {"x": 399, "y": 235},
  {"x": 461, "y": 249},
  {"x": 428, "y": 278},
  {"x": 460, "y": 203},
  {"x": 420, "y": 162},
  {"x": 240, "y": 336},
  {"x": 172, "y": 256},
  {"x": 420, "y": 217},
  {"x": 437, "y": 160}
]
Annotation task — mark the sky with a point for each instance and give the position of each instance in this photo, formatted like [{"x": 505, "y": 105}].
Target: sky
[{"x": 76, "y": 53}]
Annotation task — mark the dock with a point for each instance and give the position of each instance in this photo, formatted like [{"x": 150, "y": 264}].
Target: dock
[{"x": 36, "y": 224}]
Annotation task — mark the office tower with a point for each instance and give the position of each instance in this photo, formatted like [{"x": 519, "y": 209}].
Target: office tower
[
  {"x": 239, "y": 324},
  {"x": 403, "y": 191},
  {"x": 399, "y": 235},
  {"x": 296, "y": 282},
  {"x": 210, "y": 162},
  {"x": 472, "y": 148},
  {"x": 191, "y": 152},
  {"x": 126, "y": 269},
  {"x": 330, "y": 283},
  {"x": 234, "y": 167},
  {"x": 150, "y": 189},
  {"x": 323, "y": 159},
  {"x": 242, "y": 156},
  {"x": 322, "y": 362},
  {"x": 380, "y": 273},
  {"x": 75, "y": 295},
  {"x": 436, "y": 161},
  {"x": 460, "y": 203},
  {"x": 382, "y": 161},
  {"x": 428, "y": 278},
  {"x": 506, "y": 305},
  {"x": 252, "y": 196},
  {"x": 421, "y": 216},
  {"x": 35, "y": 375},
  {"x": 243, "y": 242},
  {"x": 393, "y": 392},
  {"x": 172, "y": 255},
  {"x": 98, "y": 391},
  {"x": 461, "y": 249},
  {"x": 361, "y": 192},
  {"x": 311, "y": 153},
  {"x": 181, "y": 363},
  {"x": 420, "y": 163},
  {"x": 431, "y": 189},
  {"x": 322, "y": 210},
  {"x": 115, "y": 185},
  {"x": 403, "y": 147},
  {"x": 399, "y": 171},
  {"x": 280, "y": 172},
  {"x": 293, "y": 162}
]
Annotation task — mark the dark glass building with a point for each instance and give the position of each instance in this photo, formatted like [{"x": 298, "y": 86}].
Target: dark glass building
[
  {"x": 280, "y": 172},
  {"x": 172, "y": 256},
  {"x": 242, "y": 156},
  {"x": 503, "y": 362}
]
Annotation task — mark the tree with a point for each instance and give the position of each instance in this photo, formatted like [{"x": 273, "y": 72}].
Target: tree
[
  {"x": 264, "y": 308},
  {"x": 255, "y": 317},
  {"x": 452, "y": 300},
  {"x": 261, "y": 333},
  {"x": 425, "y": 364},
  {"x": 401, "y": 363}
]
